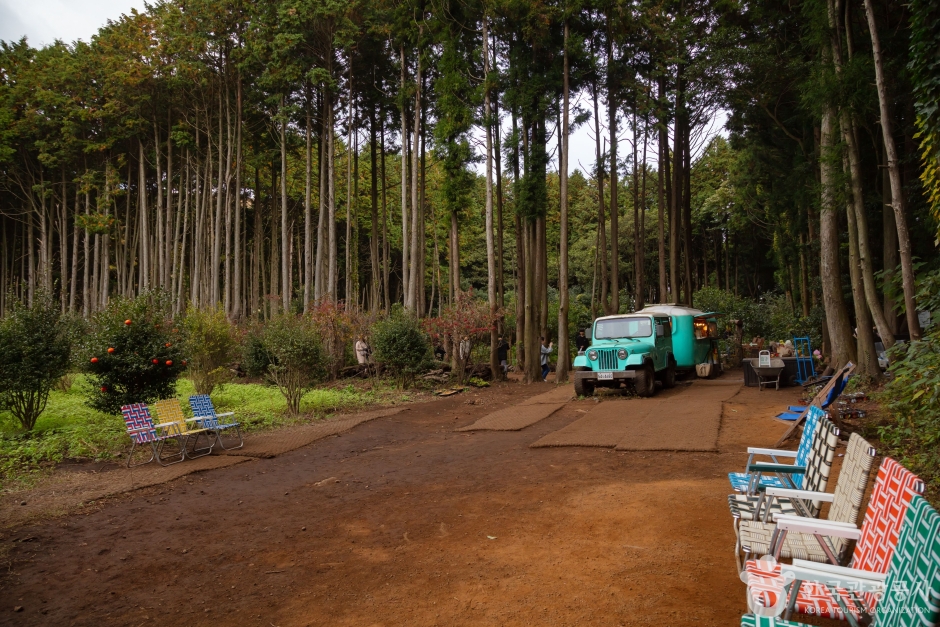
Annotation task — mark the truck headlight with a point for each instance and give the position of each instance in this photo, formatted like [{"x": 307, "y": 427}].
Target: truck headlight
[
  {"x": 621, "y": 354},
  {"x": 592, "y": 355}
]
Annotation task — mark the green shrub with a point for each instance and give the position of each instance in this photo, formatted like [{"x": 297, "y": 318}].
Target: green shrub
[
  {"x": 912, "y": 394},
  {"x": 291, "y": 352},
  {"x": 133, "y": 353},
  {"x": 400, "y": 345},
  {"x": 211, "y": 345},
  {"x": 34, "y": 355}
]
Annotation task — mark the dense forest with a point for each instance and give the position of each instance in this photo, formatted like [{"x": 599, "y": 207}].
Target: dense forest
[{"x": 274, "y": 156}]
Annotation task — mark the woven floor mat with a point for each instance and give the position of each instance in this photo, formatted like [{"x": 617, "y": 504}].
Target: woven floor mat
[
  {"x": 687, "y": 421},
  {"x": 514, "y": 418},
  {"x": 560, "y": 394},
  {"x": 604, "y": 425},
  {"x": 284, "y": 440},
  {"x": 69, "y": 490}
]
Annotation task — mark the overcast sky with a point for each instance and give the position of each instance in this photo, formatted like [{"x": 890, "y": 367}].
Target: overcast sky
[{"x": 44, "y": 21}]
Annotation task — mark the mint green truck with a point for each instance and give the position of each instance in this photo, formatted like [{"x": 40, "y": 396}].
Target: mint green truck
[{"x": 627, "y": 350}]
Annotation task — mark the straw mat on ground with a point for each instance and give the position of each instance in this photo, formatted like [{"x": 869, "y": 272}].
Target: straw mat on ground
[
  {"x": 69, "y": 490},
  {"x": 284, "y": 440},
  {"x": 685, "y": 421},
  {"x": 514, "y": 418},
  {"x": 561, "y": 394}
]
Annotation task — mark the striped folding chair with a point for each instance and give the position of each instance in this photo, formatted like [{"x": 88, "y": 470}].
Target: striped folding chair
[
  {"x": 143, "y": 432},
  {"x": 168, "y": 411},
  {"x": 908, "y": 592},
  {"x": 753, "y": 482},
  {"x": 204, "y": 412},
  {"x": 894, "y": 490}
]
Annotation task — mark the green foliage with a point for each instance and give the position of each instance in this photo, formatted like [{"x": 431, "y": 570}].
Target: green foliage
[
  {"x": 34, "y": 354},
  {"x": 912, "y": 394},
  {"x": 70, "y": 430},
  {"x": 212, "y": 343},
  {"x": 147, "y": 355},
  {"x": 925, "y": 41},
  {"x": 292, "y": 352},
  {"x": 400, "y": 345},
  {"x": 770, "y": 316}
]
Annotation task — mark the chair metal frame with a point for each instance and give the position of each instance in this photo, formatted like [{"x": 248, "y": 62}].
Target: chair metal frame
[
  {"x": 204, "y": 412},
  {"x": 142, "y": 430},
  {"x": 170, "y": 412}
]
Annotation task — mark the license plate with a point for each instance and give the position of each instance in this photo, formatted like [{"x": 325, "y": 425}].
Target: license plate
[{"x": 605, "y": 376}]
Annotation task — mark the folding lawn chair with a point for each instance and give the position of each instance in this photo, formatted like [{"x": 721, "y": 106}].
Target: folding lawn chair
[
  {"x": 848, "y": 369},
  {"x": 204, "y": 411},
  {"x": 906, "y": 595},
  {"x": 794, "y": 412},
  {"x": 140, "y": 427},
  {"x": 168, "y": 411},
  {"x": 895, "y": 487},
  {"x": 751, "y": 482},
  {"x": 758, "y": 537},
  {"x": 815, "y": 475}
]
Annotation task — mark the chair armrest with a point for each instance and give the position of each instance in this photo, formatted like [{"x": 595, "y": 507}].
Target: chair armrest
[
  {"x": 816, "y": 527},
  {"x": 826, "y": 497},
  {"x": 228, "y": 413},
  {"x": 835, "y": 576},
  {"x": 828, "y": 523},
  {"x": 784, "y": 468},
  {"x": 770, "y": 451}
]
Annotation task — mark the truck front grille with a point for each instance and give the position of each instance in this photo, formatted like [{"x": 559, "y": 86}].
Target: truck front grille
[{"x": 607, "y": 360}]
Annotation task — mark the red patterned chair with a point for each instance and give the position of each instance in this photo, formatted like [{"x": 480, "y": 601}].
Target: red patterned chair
[{"x": 895, "y": 488}]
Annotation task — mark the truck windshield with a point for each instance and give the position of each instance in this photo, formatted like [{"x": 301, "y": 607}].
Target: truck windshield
[{"x": 623, "y": 327}]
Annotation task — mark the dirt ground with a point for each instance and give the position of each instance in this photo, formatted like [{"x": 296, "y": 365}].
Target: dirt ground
[{"x": 403, "y": 521}]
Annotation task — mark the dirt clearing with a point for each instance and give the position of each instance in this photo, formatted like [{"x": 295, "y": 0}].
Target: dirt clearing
[{"x": 403, "y": 521}]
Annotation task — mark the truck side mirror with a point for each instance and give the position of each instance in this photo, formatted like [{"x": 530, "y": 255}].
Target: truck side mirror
[
  {"x": 660, "y": 330},
  {"x": 589, "y": 333}
]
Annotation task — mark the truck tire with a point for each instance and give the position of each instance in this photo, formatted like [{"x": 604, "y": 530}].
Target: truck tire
[
  {"x": 669, "y": 374},
  {"x": 582, "y": 387},
  {"x": 645, "y": 383}
]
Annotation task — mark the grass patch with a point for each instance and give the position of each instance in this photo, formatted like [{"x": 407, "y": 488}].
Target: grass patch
[{"x": 70, "y": 430}]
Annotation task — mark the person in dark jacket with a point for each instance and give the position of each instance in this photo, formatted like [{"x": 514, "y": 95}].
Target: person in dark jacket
[
  {"x": 502, "y": 354},
  {"x": 581, "y": 342}
]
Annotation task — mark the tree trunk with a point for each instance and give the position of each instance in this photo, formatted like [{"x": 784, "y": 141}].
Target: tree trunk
[
  {"x": 488, "y": 210},
  {"x": 867, "y": 366},
  {"x": 144, "y": 282},
  {"x": 521, "y": 283},
  {"x": 661, "y": 167},
  {"x": 837, "y": 319},
  {"x": 374, "y": 297},
  {"x": 561, "y": 371},
  {"x": 411, "y": 295},
  {"x": 614, "y": 206},
  {"x": 601, "y": 219},
  {"x": 285, "y": 254},
  {"x": 308, "y": 211},
  {"x": 894, "y": 172},
  {"x": 405, "y": 233}
]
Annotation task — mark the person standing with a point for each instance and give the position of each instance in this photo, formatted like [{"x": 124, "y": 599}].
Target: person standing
[
  {"x": 546, "y": 351},
  {"x": 362, "y": 351},
  {"x": 581, "y": 342},
  {"x": 502, "y": 354}
]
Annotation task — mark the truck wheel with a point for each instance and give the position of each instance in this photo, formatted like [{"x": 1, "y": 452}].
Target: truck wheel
[
  {"x": 644, "y": 383},
  {"x": 669, "y": 375},
  {"x": 583, "y": 388}
]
